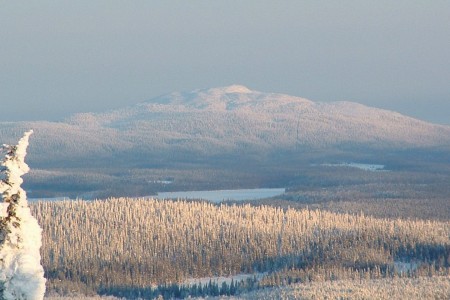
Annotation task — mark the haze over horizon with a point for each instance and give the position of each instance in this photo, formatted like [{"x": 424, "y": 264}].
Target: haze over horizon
[{"x": 65, "y": 57}]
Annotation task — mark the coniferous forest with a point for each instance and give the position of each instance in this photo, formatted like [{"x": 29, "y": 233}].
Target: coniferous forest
[
  {"x": 146, "y": 248},
  {"x": 224, "y": 150}
]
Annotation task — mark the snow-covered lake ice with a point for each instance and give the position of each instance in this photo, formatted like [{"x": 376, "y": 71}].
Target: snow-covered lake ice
[
  {"x": 213, "y": 196},
  {"x": 49, "y": 199},
  {"x": 365, "y": 167},
  {"x": 221, "y": 195}
]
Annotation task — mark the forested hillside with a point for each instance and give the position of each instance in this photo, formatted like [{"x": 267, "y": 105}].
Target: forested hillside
[
  {"x": 226, "y": 119},
  {"x": 124, "y": 246},
  {"x": 232, "y": 133}
]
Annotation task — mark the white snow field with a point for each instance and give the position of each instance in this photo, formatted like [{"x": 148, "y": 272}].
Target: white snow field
[
  {"x": 224, "y": 195},
  {"x": 361, "y": 166}
]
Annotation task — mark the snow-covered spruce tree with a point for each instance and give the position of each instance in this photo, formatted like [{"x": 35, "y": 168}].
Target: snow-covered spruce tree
[{"x": 21, "y": 273}]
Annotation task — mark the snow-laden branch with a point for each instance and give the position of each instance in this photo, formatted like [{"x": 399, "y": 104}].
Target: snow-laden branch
[{"x": 21, "y": 273}]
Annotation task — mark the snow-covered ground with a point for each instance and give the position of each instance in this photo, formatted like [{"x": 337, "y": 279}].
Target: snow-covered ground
[
  {"x": 437, "y": 287},
  {"x": 221, "y": 279},
  {"x": 221, "y": 195},
  {"x": 81, "y": 297},
  {"x": 365, "y": 167},
  {"x": 49, "y": 199},
  {"x": 405, "y": 267},
  {"x": 213, "y": 196}
]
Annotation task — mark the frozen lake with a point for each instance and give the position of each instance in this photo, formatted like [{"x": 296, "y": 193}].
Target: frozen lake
[
  {"x": 213, "y": 196},
  {"x": 221, "y": 195},
  {"x": 49, "y": 199},
  {"x": 365, "y": 167}
]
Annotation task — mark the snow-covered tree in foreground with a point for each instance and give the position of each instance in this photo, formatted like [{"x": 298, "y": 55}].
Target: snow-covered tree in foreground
[{"x": 21, "y": 273}]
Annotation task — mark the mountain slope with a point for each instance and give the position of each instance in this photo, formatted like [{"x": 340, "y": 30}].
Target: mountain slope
[
  {"x": 234, "y": 117},
  {"x": 227, "y": 137},
  {"x": 228, "y": 119}
]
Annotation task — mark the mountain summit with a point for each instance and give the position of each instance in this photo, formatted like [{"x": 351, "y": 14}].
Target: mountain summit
[
  {"x": 229, "y": 119},
  {"x": 232, "y": 97},
  {"x": 235, "y": 88},
  {"x": 204, "y": 138},
  {"x": 234, "y": 116}
]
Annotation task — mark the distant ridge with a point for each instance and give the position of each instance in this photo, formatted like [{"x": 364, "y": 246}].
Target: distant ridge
[
  {"x": 218, "y": 138},
  {"x": 224, "y": 120}
]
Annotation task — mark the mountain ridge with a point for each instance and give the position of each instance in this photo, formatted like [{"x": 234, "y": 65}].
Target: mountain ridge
[
  {"x": 232, "y": 118},
  {"x": 226, "y": 138},
  {"x": 287, "y": 112}
]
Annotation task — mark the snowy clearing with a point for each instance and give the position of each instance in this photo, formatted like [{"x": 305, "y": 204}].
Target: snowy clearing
[{"x": 221, "y": 279}]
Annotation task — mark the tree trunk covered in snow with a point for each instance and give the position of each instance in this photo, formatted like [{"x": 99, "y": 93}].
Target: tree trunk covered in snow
[{"x": 21, "y": 273}]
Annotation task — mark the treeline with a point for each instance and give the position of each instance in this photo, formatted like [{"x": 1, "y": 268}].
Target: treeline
[
  {"x": 137, "y": 243},
  {"x": 283, "y": 278},
  {"x": 181, "y": 291},
  {"x": 385, "y": 194}
]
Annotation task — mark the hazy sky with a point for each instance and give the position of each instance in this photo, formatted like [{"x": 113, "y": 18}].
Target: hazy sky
[{"x": 63, "y": 57}]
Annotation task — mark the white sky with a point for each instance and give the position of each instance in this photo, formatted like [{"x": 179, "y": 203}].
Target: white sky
[{"x": 63, "y": 57}]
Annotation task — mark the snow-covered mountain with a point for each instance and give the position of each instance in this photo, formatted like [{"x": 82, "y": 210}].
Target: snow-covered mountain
[
  {"x": 233, "y": 116},
  {"x": 226, "y": 119},
  {"x": 219, "y": 138}
]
